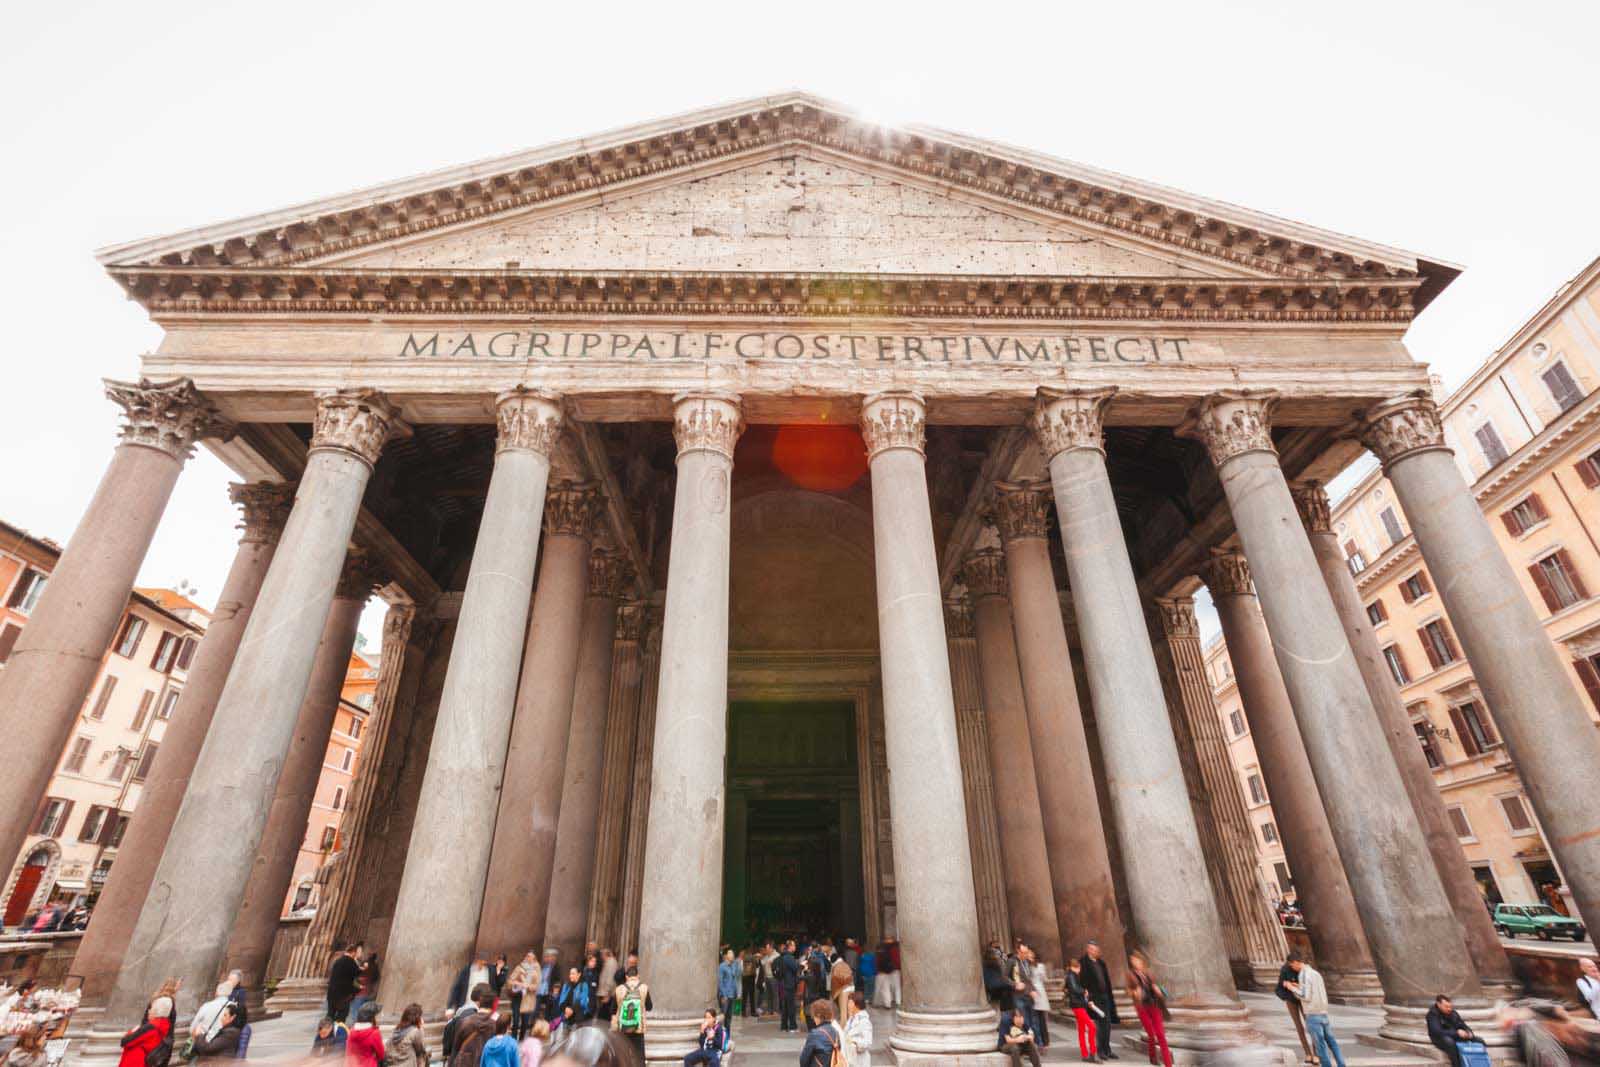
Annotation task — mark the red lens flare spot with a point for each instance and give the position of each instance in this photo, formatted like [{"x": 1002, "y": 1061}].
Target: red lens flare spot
[{"x": 821, "y": 458}]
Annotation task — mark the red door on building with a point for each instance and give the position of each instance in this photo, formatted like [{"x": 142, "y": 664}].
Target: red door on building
[{"x": 22, "y": 895}]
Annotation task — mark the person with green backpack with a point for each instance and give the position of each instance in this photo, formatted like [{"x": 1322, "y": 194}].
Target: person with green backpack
[{"x": 633, "y": 1004}]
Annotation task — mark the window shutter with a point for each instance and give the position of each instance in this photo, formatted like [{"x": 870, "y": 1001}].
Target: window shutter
[
  {"x": 1422, "y": 580},
  {"x": 1469, "y": 744},
  {"x": 1588, "y": 472},
  {"x": 1539, "y": 513},
  {"x": 61, "y": 824},
  {"x": 1449, "y": 640},
  {"x": 1590, "y": 679},
  {"x": 44, "y": 802},
  {"x": 1572, "y": 574},
  {"x": 1383, "y": 612},
  {"x": 1427, "y": 647},
  {"x": 1541, "y": 583},
  {"x": 8, "y": 640},
  {"x": 108, "y": 829},
  {"x": 1513, "y": 524},
  {"x": 186, "y": 655},
  {"x": 1405, "y": 591},
  {"x": 20, "y": 590},
  {"x": 1349, "y": 549}
]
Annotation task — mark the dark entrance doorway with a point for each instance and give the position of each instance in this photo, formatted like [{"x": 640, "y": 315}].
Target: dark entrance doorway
[{"x": 792, "y": 851}]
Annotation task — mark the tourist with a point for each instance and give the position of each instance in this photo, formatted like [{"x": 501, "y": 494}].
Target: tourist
[
  {"x": 208, "y": 1016},
  {"x": 766, "y": 990},
  {"x": 453, "y": 1024},
  {"x": 729, "y": 974},
  {"x": 633, "y": 1004},
  {"x": 366, "y": 982},
  {"x": 711, "y": 1042},
  {"x": 1040, "y": 1000},
  {"x": 1082, "y": 1008},
  {"x": 816, "y": 976},
  {"x": 344, "y": 981},
  {"x": 749, "y": 964},
  {"x": 610, "y": 968},
  {"x": 149, "y": 1037},
  {"x": 239, "y": 995},
  {"x": 591, "y": 978},
  {"x": 549, "y": 983},
  {"x": 469, "y": 978},
  {"x": 531, "y": 1047},
  {"x": 1446, "y": 1028},
  {"x": 364, "y": 1047},
  {"x": 1313, "y": 994},
  {"x": 852, "y": 956},
  {"x": 473, "y": 1030},
  {"x": 521, "y": 984},
  {"x": 224, "y": 1044},
  {"x": 407, "y": 1048},
  {"x": 858, "y": 1031},
  {"x": 786, "y": 976},
  {"x": 330, "y": 1039},
  {"x": 889, "y": 972},
  {"x": 572, "y": 1003},
  {"x": 1589, "y": 985},
  {"x": 1291, "y": 1003},
  {"x": 29, "y": 1050},
  {"x": 824, "y": 1039},
  {"x": 868, "y": 967},
  {"x": 1097, "y": 983},
  {"x": 841, "y": 983},
  {"x": 1150, "y": 1004},
  {"x": 501, "y": 1050},
  {"x": 1016, "y": 1039}
]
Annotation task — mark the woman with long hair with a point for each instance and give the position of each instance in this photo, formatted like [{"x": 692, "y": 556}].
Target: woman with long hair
[
  {"x": 1150, "y": 1002},
  {"x": 406, "y": 1046}
]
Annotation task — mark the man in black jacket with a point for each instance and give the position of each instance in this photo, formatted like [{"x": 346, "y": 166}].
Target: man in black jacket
[
  {"x": 1097, "y": 983},
  {"x": 1446, "y": 1028},
  {"x": 344, "y": 979},
  {"x": 1292, "y": 1002},
  {"x": 786, "y": 976}
]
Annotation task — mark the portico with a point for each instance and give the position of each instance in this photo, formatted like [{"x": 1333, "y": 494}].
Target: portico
[{"x": 768, "y": 409}]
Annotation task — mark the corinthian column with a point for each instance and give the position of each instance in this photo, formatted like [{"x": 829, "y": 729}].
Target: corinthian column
[
  {"x": 1337, "y": 940},
  {"x": 522, "y": 860},
  {"x": 256, "y": 925},
  {"x": 1232, "y": 851},
  {"x": 1494, "y": 968},
  {"x": 1080, "y": 868},
  {"x": 1029, "y": 899},
  {"x": 441, "y": 891},
  {"x": 567, "y": 918},
  {"x": 944, "y": 1014},
  {"x": 621, "y": 732},
  {"x": 183, "y": 928},
  {"x": 681, "y": 900},
  {"x": 1416, "y": 943},
  {"x": 99, "y": 956},
  {"x": 58, "y": 654},
  {"x": 1168, "y": 886},
  {"x": 1547, "y": 730}
]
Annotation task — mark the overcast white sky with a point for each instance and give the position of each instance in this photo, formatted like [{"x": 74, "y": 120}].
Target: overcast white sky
[{"x": 1468, "y": 131}]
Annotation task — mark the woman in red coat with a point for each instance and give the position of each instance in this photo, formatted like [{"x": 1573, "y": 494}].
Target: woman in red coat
[{"x": 138, "y": 1042}]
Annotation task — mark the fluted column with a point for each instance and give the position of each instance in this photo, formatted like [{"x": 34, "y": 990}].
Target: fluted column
[
  {"x": 1168, "y": 886},
  {"x": 441, "y": 891},
  {"x": 1488, "y": 955},
  {"x": 622, "y": 731},
  {"x": 1080, "y": 867},
  {"x": 256, "y": 924},
  {"x": 522, "y": 861},
  {"x": 1415, "y": 940},
  {"x": 1261, "y": 946},
  {"x": 681, "y": 901},
  {"x": 567, "y": 917},
  {"x": 977, "y": 786},
  {"x": 1332, "y": 921},
  {"x": 183, "y": 928},
  {"x": 1024, "y": 867},
  {"x": 643, "y": 762},
  {"x": 1547, "y": 729},
  {"x": 58, "y": 653},
  {"x": 944, "y": 1013},
  {"x": 99, "y": 956}
]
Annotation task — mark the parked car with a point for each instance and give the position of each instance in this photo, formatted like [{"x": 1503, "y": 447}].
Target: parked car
[{"x": 1541, "y": 920}]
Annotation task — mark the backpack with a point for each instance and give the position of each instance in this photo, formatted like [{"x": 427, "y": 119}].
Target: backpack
[
  {"x": 161, "y": 1055},
  {"x": 726, "y": 1045},
  {"x": 837, "y": 1059},
  {"x": 630, "y": 1012}
]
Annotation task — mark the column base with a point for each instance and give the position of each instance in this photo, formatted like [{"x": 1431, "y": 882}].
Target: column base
[
  {"x": 669, "y": 1040},
  {"x": 1353, "y": 987},
  {"x": 944, "y": 1036},
  {"x": 1264, "y": 976},
  {"x": 257, "y": 1008},
  {"x": 1196, "y": 1031},
  {"x": 1055, "y": 991},
  {"x": 1405, "y": 1029},
  {"x": 295, "y": 994},
  {"x": 98, "y": 1047}
]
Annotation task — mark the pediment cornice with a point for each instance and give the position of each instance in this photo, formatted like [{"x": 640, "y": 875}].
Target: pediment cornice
[{"x": 1248, "y": 241}]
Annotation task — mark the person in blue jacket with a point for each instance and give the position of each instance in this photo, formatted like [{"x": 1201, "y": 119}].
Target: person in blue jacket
[
  {"x": 729, "y": 974},
  {"x": 572, "y": 1003}
]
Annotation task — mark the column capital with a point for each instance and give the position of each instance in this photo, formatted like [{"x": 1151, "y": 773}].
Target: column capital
[
  {"x": 362, "y": 573},
  {"x": 266, "y": 508},
  {"x": 357, "y": 421},
  {"x": 957, "y": 617},
  {"x": 1401, "y": 427},
  {"x": 1227, "y": 573},
  {"x": 1065, "y": 419},
  {"x": 397, "y": 623},
  {"x": 167, "y": 416},
  {"x": 528, "y": 420},
  {"x": 1022, "y": 510},
  {"x": 1177, "y": 616},
  {"x": 631, "y": 617},
  {"x": 984, "y": 574},
  {"x": 896, "y": 418},
  {"x": 607, "y": 573},
  {"x": 571, "y": 508},
  {"x": 706, "y": 422},
  {"x": 1311, "y": 500},
  {"x": 1232, "y": 423}
]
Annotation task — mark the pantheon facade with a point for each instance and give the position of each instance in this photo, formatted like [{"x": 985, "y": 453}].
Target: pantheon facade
[{"x": 791, "y": 524}]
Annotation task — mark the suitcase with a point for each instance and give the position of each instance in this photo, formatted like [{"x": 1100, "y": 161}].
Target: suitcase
[{"x": 1473, "y": 1054}]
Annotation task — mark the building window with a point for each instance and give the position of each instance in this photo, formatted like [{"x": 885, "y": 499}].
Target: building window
[
  {"x": 330, "y": 834},
  {"x": 1524, "y": 515},
  {"x": 119, "y": 826},
  {"x": 119, "y": 765},
  {"x": 186, "y": 653},
  {"x": 302, "y": 896},
  {"x": 1430, "y": 751},
  {"x": 1489, "y": 443},
  {"x": 53, "y": 816},
  {"x": 1281, "y": 873},
  {"x": 26, "y": 593},
  {"x": 1557, "y": 580},
  {"x": 356, "y": 724},
  {"x": 168, "y": 702},
  {"x": 1588, "y": 469},
  {"x": 1353, "y": 556},
  {"x": 346, "y": 760},
  {"x": 1563, "y": 388},
  {"x": 1415, "y": 587},
  {"x": 1438, "y": 644},
  {"x": 1516, "y": 812},
  {"x": 1477, "y": 736},
  {"x": 107, "y": 687},
  {"x": 1588, "y": 668},
  {"x": 1397, "y": 665},
  {"x": 1458, "y": 822},
  {"x": 1391, "y": 525},
  {"x": 1376, "y": 612},
  {"x": 338, "y": 799},
  {"x": 1269, "y": 833},
  {"x": 94, "y": 823},
  {"x": 76, "y": 756},
  {"x": 166, "y": 652},
  {"x": 1258, "y": 792},
  {"x": 147, "y": 698},
  {"x": 1236, "y": 721},
  {"x": 147, "y": 759},
  {"x": 128, "y": 638},
  {"x": 8, "y": 640},
  {"x": 364, "y": 701}
]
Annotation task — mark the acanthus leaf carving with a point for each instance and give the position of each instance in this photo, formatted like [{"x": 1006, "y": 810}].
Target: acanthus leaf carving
[
  {"x": 1227, "y": 573},
  {"x": 984, "y": 573},
  {"x": 894, "y": 419},
  {"x": 1065, "y": 419},
  {"x": 167, "y": 416},
  {"x": 1022, "y": 510},
  {"x": 266, "y": 507},
  {"x": 1311, "y": 500},
  {"x": 362, "y": 573},
  {"x": 357, "y": 421},
  {"x": 1232, "y": 424},
  {"x": 1177, "y": 617},
  {"x": 571, "y": 508},
  {"x": 707, "y": 422},
  {"x": 1402, "y": 427},
  {"x": 957, "y": 617},
  {"x": 528, "y": 421}
]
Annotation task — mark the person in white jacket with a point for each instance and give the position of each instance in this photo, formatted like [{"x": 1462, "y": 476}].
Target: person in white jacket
[{"x": 858, "y": 1032}]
